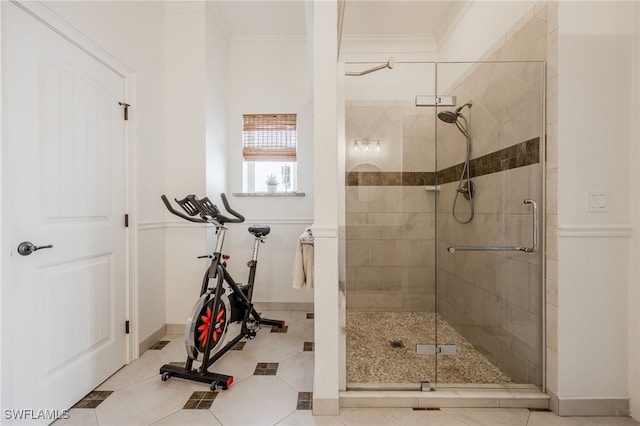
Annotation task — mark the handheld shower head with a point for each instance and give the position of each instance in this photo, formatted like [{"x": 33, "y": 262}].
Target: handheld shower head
[
  {"x": 452, "y": 116},
  {"x": 465, "y": 185},
  {"x": 449, "y": 116}
]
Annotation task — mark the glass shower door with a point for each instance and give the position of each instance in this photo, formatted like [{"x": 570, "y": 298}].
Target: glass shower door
[
  {"x": 389, "y": 227},
  {"x": 489, "y": 174}
]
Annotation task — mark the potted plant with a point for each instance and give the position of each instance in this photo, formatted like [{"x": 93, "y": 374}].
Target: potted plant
[{"x": 272, "y": 183}]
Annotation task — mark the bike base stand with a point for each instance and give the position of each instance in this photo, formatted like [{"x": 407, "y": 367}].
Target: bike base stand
[{"x": 214, "y": 379}]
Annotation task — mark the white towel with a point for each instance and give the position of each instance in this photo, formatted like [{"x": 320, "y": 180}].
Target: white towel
[{"x": 303, "y": 263}]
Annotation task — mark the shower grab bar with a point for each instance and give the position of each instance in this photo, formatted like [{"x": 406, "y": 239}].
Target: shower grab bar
[{"x": 532, "y": 249}]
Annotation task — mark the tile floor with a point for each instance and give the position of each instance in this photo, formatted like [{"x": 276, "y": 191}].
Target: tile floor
[{"x": 136, "y": 395}]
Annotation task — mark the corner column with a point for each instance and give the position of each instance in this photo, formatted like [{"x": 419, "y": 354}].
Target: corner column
[{"x": 325, "y": 228}]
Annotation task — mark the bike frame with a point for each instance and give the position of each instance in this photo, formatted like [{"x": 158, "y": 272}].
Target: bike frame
[{"x": 221, "y": 275}]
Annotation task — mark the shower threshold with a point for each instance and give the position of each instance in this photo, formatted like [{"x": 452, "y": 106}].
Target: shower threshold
[{"x": 409, "y": 395}]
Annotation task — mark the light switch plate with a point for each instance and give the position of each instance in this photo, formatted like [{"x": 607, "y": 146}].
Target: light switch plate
[{"x": 596, "y": 202}]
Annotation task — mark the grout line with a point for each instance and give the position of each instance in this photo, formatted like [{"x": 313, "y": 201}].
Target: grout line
[{"x": 163, "y": 418}]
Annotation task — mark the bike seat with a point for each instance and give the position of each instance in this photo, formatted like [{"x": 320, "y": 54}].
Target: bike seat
[{"x": 260, "y": 230}]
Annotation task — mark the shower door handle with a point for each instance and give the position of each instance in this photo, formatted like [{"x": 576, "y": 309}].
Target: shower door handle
[
  {"x": 536, "y": 226},
  {"x": 532, "y": 249}
]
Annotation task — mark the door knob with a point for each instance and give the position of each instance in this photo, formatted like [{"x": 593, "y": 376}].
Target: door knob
[{"x": 26, "y": 248}]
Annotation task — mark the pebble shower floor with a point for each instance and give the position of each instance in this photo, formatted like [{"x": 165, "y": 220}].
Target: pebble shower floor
[{"x": 381, "y": 348}]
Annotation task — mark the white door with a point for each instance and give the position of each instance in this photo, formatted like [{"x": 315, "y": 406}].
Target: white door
[{"x": 66, "y": 148}]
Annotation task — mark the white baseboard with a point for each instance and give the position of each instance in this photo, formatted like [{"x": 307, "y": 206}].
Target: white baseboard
[
  {"x": 175, "y": 328},
  {"x": 610, "y": 407},
  {"x": 326, "y": 406},
  {"x": 284, "y": 306},
  {"x": 152, "y": 339},
  {"x": 259, "y": 306}
]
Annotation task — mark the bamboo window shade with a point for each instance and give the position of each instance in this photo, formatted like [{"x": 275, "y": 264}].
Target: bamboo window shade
[{"x": 269, "y": 137}]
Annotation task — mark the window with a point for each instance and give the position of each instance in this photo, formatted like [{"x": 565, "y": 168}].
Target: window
[{"x": 269, "y": 145}]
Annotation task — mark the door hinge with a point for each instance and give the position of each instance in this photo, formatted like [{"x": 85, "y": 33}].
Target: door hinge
[
  {"x": 126, "y": 220},
  {"x": 126, "y": 327},
  {"x": 427, "y": 349},
  {"x": 126, "y": 109},
  {"x": 432, "y": 100}
]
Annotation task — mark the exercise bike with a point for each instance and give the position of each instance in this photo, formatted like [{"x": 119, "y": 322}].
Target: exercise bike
[{"x": 218, "y": 304}]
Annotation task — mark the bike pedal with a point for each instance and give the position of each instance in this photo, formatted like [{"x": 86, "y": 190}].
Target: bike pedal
[{"x": 253, "y": 325}]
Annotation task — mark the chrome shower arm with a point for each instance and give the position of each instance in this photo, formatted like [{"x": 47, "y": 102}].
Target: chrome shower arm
[{"x": 389, "y": 64}]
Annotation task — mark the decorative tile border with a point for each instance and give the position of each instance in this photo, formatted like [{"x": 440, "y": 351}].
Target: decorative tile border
[
  {"x": 518, "y": 155},
  {"x": 266, "y": 369},
  {"x": 305, "y": 401},
  {"x": 390, "y": 178},
  {"x": 200, "y": 401},
  {"x": 238, "y": 346},
  {"x": 159, "y": 345}
]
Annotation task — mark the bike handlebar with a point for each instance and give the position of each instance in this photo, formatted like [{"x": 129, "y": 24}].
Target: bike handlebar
[
  {"x": 177, "y": 213},
  {"x": 239, "y": 217},
  {"x": 207, "y": 211}
]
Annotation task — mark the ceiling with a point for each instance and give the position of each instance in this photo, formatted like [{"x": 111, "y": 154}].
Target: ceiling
[
  {"x": 399, "y": 17},
  {"x": 362, "y": 18},
  {"x": 262, "y": 17}
]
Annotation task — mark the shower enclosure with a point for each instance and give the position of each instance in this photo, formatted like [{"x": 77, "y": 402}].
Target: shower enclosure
[{"x": 443, "y": 225}]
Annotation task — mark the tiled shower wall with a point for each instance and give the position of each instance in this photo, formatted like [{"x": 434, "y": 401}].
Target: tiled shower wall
[{"x": 390, "y": 225}]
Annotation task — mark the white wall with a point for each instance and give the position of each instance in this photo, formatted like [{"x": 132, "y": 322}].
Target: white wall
[
  {"x": 137, "y": 43},
  {"x": 185, "y": 57},
  {"x": 634, "y": 253},
  {"x": 481, "y": 29},
  {"x": 404, "y": 82},
  {"x": 4, "y": 363},
  {"x": 270, "y": 75},
  {"x": 216, "y": 51},
  {"x": 482, "y": 25},
  {"x": 594, "y": 63}
]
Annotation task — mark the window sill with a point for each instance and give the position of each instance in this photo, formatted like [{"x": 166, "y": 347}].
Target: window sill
[{"x": 269, "y": 194}]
